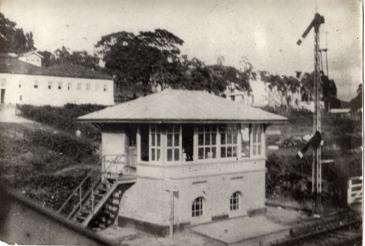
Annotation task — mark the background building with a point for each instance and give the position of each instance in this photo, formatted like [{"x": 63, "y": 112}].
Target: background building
[{"x": 24, "y": 83}]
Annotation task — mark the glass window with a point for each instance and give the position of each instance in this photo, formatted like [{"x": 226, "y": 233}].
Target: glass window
[
  {"x": 197, "y": 207},
  {"x": 173, "y": 143},
  {"x": 155, "y": 143},
  {"x": 234, "y": 201},
  {"x": 207, "y": 144},
  {"x": 245, "y": 141},
  {"x": 257, "y": 140},
  {"x": 228, "y": 135}
]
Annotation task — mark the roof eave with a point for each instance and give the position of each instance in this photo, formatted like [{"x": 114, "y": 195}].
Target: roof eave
[{"x": 182, "y": 121}]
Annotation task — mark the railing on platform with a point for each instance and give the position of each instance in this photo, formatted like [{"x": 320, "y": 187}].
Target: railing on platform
[
  {"x": 87, "y": 186},
  {"x": 354, "y": 190}
]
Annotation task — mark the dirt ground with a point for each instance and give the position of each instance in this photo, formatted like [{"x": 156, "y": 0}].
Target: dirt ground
[{"x": 131, "y": 236}]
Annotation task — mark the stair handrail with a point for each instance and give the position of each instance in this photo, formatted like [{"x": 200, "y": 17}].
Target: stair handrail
[
  {"x": 74, "y": 192},
  {"x": 83, "y": 198},
  {"x": 78, "y": 189},
  {"x": 111, "y": 161}
]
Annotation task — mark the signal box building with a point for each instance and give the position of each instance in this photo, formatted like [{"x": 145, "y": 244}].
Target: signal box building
[{"x": 197, "y": 157}]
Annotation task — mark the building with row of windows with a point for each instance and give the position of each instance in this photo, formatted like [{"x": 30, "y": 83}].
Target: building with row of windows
[
  {"x": 23, "y": 83},
  {"x": 197, "y": 156}
]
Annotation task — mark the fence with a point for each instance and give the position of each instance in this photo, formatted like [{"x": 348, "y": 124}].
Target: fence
[{"x": 354, "y": 190}]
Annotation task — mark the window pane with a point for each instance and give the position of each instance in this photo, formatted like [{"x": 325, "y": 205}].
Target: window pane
[
  {"x": 169, "y": 154},
  {"x": 259, "y": 135},
  {"x": 223, "y": 152},
  {"x": 259, "y": 150},
  {"x": 201, "y": 153},
  {"x": 176, "y": 140},
  {"x": 254, "y": 149},
  {"x": 214, "y": 152},
  {"x": 201, "y": 139},
  {"x": 153, "y": 139},
  {"x": 223, "y": 138},
  {"x": 234, "y": 151},
  {"x": 169, "y": 140},
  {"x": 207, "y": 139},
  {"x": 229, "y": 138},
  {"x": 158, "y": 154},
  {"x": 214, "y": 138},
  {"x": 153, "y": 154},
  {"x": 245, "y": 141},
  {"x": 229, "y": 151},
  {"x": 158, "y": 134},
  {"x": 176, "y": 154},
  {"x": 235, "y": 137},
  {"x": 254, "y": 134}
]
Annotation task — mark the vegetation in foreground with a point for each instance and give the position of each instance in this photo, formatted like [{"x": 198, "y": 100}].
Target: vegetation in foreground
[
  {"x": 47, "y": 161},
  {"x": 290, "y": 177}
]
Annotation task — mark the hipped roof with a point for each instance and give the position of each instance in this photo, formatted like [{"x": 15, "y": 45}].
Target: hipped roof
[
  {"x": 181, "y": 106},
  {"x": 14, "y": 66}
]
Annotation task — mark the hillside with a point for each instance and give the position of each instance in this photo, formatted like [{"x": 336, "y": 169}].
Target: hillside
[{"x": 44, "y": 162}]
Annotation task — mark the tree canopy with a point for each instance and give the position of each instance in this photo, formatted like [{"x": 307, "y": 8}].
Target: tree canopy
[
  {"x": 13, "y": 39},
  {"x": 141, "y": 58}
]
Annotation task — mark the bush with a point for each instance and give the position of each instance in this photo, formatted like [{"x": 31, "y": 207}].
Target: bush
[
  {"x": 64, "y": 118},
  {"x": 62, "y": 143}
]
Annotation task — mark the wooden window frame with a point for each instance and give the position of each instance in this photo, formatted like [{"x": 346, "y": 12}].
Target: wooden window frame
[
  {"x": 225, "y": 145},
  {"x": 257, "y": 141},
  {"x": 213, "y": 134},
  {"x": 176, "y": 130},
  {"x": 234, "y": 201},
  {"x": 155, "y": 134},
  {"x": 197, "y": 207}
]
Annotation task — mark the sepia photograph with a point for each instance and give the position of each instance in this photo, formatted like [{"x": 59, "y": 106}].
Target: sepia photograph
[{"x": 178, "y": 123}]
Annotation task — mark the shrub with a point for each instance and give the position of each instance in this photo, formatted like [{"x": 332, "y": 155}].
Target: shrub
[
  {"x": 62, "y": 143},
  {"x": 64, "y": 118}
]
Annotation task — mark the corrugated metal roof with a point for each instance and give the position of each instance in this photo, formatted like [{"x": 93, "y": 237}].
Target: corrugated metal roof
[{"x": 181, "y": 106}]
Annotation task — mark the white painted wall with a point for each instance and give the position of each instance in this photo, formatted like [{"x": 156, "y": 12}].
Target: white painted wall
[
  {"x": 149, "y": 200},
  {"x": 20, "y": 89}
]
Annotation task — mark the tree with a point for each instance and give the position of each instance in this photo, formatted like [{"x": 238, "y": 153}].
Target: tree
[
  {"x": 356, "y": 102},
  {"x": 12, "y": 39},
  {"x": 149, "y": 57},
  {"x": 65, "y": 56}
]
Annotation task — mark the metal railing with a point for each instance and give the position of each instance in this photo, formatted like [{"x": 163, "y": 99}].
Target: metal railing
[{"x": 87, "y": 186}]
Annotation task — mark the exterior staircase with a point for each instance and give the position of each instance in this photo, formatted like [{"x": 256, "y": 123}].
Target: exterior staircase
[{"x": 94, "y": 203}]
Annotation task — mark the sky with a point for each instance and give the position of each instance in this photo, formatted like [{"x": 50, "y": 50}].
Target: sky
[{"x": 264, "y": 32}]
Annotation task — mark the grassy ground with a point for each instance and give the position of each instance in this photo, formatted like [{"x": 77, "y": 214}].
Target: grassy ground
[{"x": 35, "y": 161}]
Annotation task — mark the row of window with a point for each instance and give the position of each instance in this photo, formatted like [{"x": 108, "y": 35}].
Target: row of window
[
  {"x": 69, "y": 86},
  {"x": 213, "y": 141},
  {"x": 197, "y": 208}
]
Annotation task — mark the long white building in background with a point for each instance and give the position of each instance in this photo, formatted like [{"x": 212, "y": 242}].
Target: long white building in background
[
  {"x": 24, "y": 83},
  {"x": 261, "y": 95}
]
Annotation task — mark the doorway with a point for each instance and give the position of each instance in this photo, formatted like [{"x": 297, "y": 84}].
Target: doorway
[
  {"x": 2, "y": 97},
  {"x": 188, "y": 141}
]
